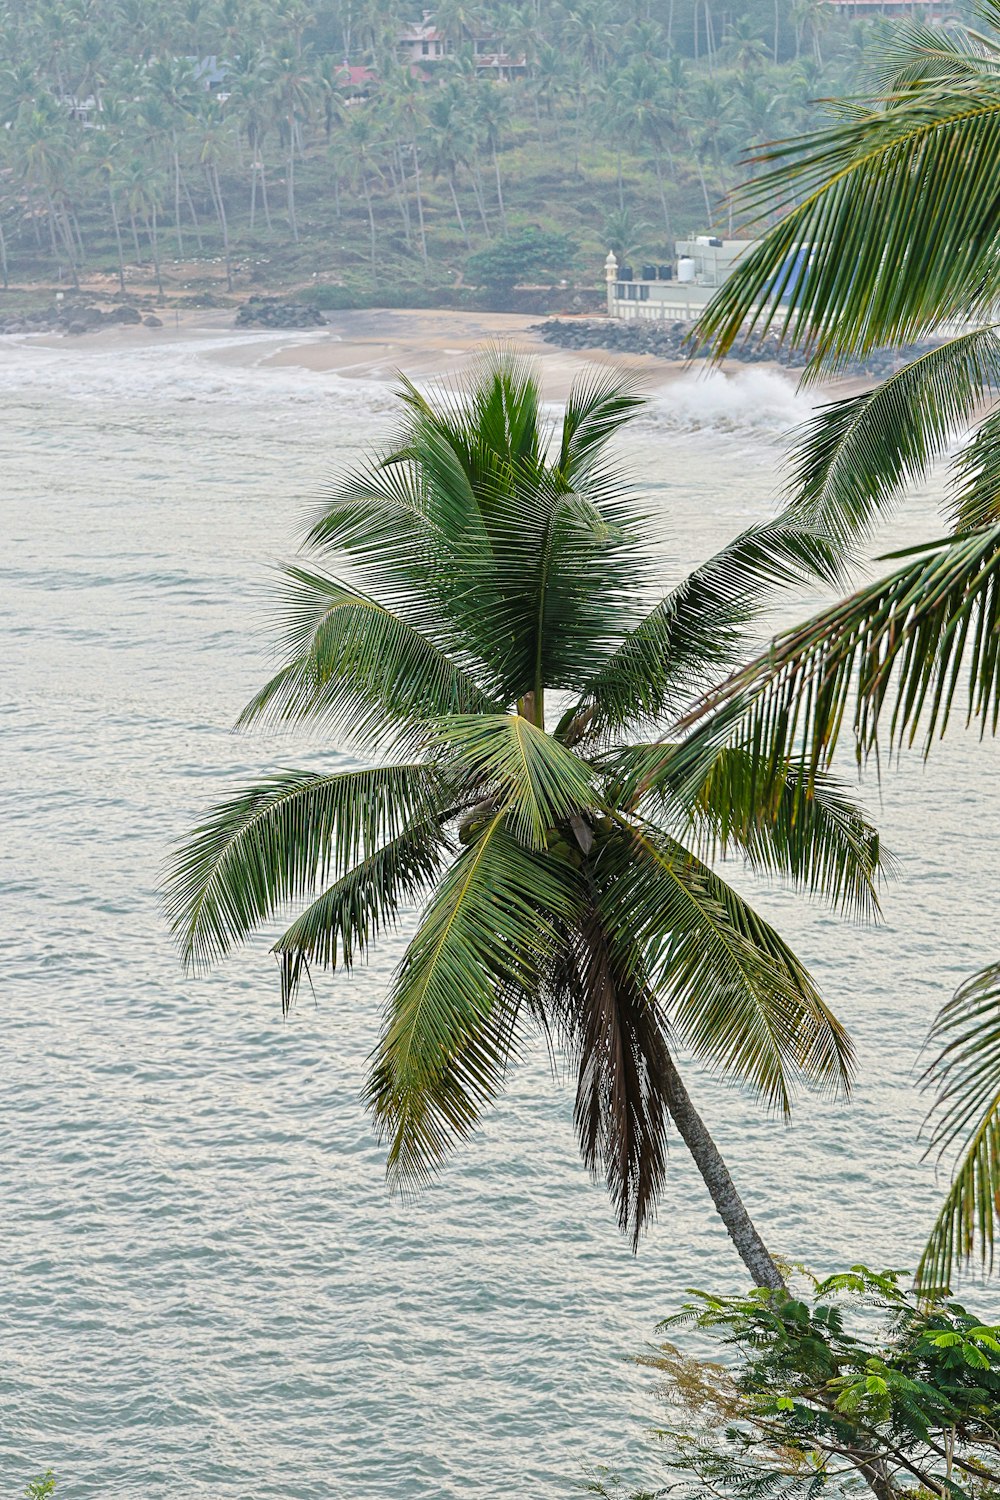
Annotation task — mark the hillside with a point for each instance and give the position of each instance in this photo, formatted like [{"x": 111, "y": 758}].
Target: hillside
[{"x": 193, "y": 148}]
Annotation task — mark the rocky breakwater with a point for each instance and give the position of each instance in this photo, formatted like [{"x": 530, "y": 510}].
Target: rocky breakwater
[
  {"x": 676, "y": 341},
  {"x": 74, "y": 317},
  {"x": 272, "y": 312}
]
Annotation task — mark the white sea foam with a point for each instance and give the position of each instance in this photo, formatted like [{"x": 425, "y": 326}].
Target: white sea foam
[
  {"x": 749, "y": 401},
  {"x": 185, "y": 370}
]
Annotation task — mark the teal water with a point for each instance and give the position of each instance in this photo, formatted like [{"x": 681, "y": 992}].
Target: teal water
[{"x": 206, "y": 1290}]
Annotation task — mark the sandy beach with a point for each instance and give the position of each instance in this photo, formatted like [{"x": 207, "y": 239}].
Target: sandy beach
[{"x": 425, "y": 344}]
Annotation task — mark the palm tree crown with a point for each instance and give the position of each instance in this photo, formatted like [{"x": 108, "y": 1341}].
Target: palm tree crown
[{"x": 493, "y": 648}]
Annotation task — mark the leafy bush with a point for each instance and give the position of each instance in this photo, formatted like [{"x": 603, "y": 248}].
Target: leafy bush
[
  {"x": 521, "y": 257},
  {"x": 855, "y": 1385},
  {"x": 40, "y": 1488}
]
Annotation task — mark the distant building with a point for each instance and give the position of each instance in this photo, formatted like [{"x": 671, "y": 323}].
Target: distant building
[
  {"x": 356, "y": 82},
  {"x": 679, "y": 290},
  {"x": 422, "y": 44}
]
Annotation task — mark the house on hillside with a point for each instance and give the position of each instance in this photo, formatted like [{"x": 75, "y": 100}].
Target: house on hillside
[{"x": 422, "y": 44}]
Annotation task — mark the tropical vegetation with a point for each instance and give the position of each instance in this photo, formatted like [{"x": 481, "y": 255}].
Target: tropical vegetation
[
  {"x": 494, "y": 641},
  {"x": 897, "y": 204},
  {"x": 850, "y": 1384},
  {"x": 191, "y": 142}
]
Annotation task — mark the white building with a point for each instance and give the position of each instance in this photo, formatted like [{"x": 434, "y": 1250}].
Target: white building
[
  {"x": 422, "y": 44},
  {"x": 678, "y": 292}
]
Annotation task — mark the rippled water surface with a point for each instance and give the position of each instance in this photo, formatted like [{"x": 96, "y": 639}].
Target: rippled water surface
[{"x": 206, "y": 1291}]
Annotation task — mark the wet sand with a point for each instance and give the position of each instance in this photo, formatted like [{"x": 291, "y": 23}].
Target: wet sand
[{"x": 427, "y": 345}]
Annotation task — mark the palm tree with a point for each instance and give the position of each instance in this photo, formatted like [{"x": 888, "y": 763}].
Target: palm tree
[
  {"x": 496, "y": 654},
  {"x": 360, "y": 139},
  {"x": 895, "y": 206},
  {"x": 293, "y": 86}
]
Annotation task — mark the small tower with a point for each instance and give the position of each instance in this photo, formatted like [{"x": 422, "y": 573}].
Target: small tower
[{"x": 611, "y": 276}]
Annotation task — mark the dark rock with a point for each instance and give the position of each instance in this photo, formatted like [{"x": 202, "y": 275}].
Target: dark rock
[
  {"x": 125, "y": 315},
  {"x": 272, "y": 312},
  {"x": 77, "y": 327},
  {"x": 152, "y": 321},
  {"x": 675, "y": 341}
]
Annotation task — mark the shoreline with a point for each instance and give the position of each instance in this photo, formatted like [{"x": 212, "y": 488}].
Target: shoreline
[{"x": 427, "y": 345}]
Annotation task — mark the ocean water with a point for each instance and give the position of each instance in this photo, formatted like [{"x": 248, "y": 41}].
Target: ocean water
[{"x": 206, "y": 1290}]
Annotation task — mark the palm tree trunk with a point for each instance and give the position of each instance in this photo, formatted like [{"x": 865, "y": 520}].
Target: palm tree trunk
[
  {"x": 477, "y": 188},
  {"x": 500, "y": 202},
  {"x": 177, "y": 198},
  {"x": 397, "y": 188},
  {"x": 191, "y": 211},
  {"x": 742, "y": 1230},
  {"x": 154, "y": 242},
  {"x": 292, "y": 222},
  {"x": 663, "y": 194},
  {"x": 371, "y": 227},
  {"x": 118, "y": 241},
  {"x": 216, "y": 188},
  {"x": 458, "y": 213},
  {"x": 420, "y": 201},
  {"x": 263, "y": 194}
]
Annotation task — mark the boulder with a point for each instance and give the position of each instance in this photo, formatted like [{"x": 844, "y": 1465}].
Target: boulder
[
  {"x": 272, "y": 312},
  {"x": 152, "y": 321}
]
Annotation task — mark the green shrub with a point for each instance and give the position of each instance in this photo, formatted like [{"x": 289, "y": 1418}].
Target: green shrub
[
  {"x": 40, "y": 1488},
  {"x": 521, "y": 257}
]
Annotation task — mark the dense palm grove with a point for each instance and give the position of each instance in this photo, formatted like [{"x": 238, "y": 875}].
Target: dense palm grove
[{"x": 625, "y": 123}]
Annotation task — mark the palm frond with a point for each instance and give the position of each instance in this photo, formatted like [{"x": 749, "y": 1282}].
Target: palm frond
[
  {"x": 903, "y": 646},
  {"x": 276, "y": 841},
  {"x": 808, "y": 831},
  {"x": 511, "y": 542},
  {"x": 976, "y": 474},
  {"x": 537, "y": 779},
  {"x": 730, "y": 985},
  {"x": 340, "y": 925},
  {"x": 896, "y": 211},
  {"x": 915, "y": 53},
  {"x": 489, "y": 936},
  {"x": 854, "y": 456},
  {"x": 357, "y": 667},
  {"x": 599, "y": 407},
  {"x": 614, "y": 1032},
  {"x": 696, "y": 630},
  {"x": 966, "y": 1075}
]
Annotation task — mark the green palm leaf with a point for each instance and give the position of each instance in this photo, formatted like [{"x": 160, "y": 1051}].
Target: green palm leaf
[
  {"x": 903, "y": 646},
  {"x": 598, "y": 408},
  {"x": 966, "y": 1074},
  {"x": 976, "y": 471},
  {"x": 489, "y": 935},
  {"x": 278, "y": 840},
  {"x": 696, "y": 631},
  {"x": 517, "y": 536},
  {"x": 899, "y": 206},
  {"x": 855, "y": 455},
  {"x": 731, "y": 987},
  {"x": 359, "y": 668},
  {"x": 338, "y": 928},
  {"x": 537, "y": 780},
  {"x": 807, "y": 830}
]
